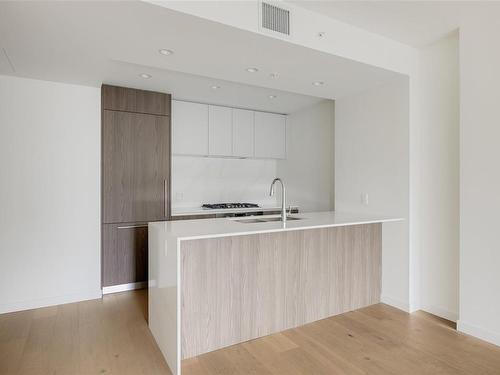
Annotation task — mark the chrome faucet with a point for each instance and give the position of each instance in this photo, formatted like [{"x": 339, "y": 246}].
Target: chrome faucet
[{"x": 283, "y": 197}]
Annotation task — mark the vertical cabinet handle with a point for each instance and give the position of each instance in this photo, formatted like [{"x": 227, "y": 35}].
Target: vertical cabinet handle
[{"x": 165, "y": 202}]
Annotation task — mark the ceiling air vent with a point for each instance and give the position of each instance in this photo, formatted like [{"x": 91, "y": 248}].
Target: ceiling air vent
[{"x": 275, "y": 18}]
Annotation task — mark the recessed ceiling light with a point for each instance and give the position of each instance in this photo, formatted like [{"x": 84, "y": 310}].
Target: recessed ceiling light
[
  {"x": 272, "y": 96},
  {"x": 145, "y": 75},
  {"x": 215, "y": 87},
  {"x": 166, "y": 52},
  {"x": 252, "y": 70},
  {"x": 274, "y": 75},
  {"x": 318, "y": 83}
]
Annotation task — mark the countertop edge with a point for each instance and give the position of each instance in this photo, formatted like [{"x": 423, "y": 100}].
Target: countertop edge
[{"x": 276, "y": 230}]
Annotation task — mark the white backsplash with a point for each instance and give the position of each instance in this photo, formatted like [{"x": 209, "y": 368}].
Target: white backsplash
[{"x": 198, "y": 180}]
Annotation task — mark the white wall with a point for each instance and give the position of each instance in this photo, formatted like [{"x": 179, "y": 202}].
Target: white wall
[
  {"x": 372, "y": 157},
  {"x": 480, "y": 174},
  {"x": 49, "y": 193},
  {"x": 198, "y": 180},
  {"x": 439, "y": 178},
  {"x": 308, "y": 171}
]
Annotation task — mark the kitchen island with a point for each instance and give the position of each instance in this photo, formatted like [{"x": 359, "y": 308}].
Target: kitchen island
[{"x": 218, "y": 282}]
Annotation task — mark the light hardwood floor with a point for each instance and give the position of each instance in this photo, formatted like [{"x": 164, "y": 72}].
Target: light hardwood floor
[
  {"x": 373, "y": 340},
  {"x": 110, "y": 336}
]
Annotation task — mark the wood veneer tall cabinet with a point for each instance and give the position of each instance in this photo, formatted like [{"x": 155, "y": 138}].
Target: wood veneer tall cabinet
[{"x": 136, "y": 149}]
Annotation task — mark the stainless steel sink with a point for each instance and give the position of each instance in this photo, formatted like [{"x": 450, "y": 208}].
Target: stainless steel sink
[
  {"x": 265, "y": 219},
  {"x": 247, "y": 221},
  {"x": 279, "y": 218}
]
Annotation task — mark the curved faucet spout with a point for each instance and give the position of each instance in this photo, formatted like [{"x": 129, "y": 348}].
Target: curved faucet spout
[{"x": 283, "y": 197}]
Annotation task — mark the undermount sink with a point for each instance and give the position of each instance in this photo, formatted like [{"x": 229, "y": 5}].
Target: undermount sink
[
  {"x": 249, "y": 221},
  {"x": 288, "y": 218},
  {"x": 266, "y": 219}
]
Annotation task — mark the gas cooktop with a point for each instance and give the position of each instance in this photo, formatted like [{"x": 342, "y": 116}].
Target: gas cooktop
[{"x": 221, "y": 206}]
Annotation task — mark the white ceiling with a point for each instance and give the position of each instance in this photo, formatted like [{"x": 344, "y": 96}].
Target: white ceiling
[
  {"x": 113, "y": 42},
  {"x": 416, "y": 23},
  {"x": 195, "y": 88}
]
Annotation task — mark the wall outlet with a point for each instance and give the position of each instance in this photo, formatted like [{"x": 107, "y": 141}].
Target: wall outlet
[{"x": 364, "y": 199}]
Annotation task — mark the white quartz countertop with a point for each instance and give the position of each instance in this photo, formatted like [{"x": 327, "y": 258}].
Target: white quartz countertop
[
  {"x": 204, "y": 211},
  {"x": 223, "y": 227}
]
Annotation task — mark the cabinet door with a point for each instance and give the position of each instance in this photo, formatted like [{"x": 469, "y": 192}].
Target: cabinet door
[
  {"x": 124, "y": 253},
  {"x": 132, "y": 100},
  {"x": 220, "y": 131},
  {"x": 136, "y": 164},
  {"x": 243, "y": 133},
  {"x": 189, "y": 128},
  {"x": 270, "y": 131}
]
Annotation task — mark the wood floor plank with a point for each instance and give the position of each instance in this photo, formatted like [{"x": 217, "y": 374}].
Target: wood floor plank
[
  {"x": 64, "y": 346},
  {"x": 456, "y": 349},
  {"x": 244, "y": 361},
  {"x": 192, "y": 366},
  {"x": 274, "y": 361},
  {"x": 36, "y": 354},
  {"x": 324, "y": 354},
  {"x": 93, "y": 355},
  {"x": 374, "y": 340},
  {"x": 110, "y": 336},
  {"x": 14, "y": 331},
  {"x": 103, "y": 336},
  {"x": 370, "y": 358},
  {"x": 10, "y": 355},
  {"x": 408, "y": 358},
  {"x": 119, "y": 344}
]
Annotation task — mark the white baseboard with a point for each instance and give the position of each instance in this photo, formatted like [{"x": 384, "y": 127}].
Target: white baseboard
[
  {"x": 124, "y": 287},
  {"x": 49, "y": 301},
  {"x": 442, "y": 313},
  {"x": 398, "y": 304},
  {"x": 480, "y": 333}
]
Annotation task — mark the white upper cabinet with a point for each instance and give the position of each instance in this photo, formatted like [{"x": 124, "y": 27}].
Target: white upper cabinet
[
  {"x": 270, "y": 132},
  {"x": 211, "y": 130},
  {"x": 220, "y": 131},
  {"x": 189, "y": 128},
  {"x": 243, "y": 133}
]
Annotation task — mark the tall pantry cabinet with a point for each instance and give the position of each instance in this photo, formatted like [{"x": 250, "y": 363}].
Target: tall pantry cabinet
[{"x": 135, "y": 180}]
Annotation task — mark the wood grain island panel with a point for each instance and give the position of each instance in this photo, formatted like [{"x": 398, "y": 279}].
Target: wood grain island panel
[{"x": 238, "y": 288}]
